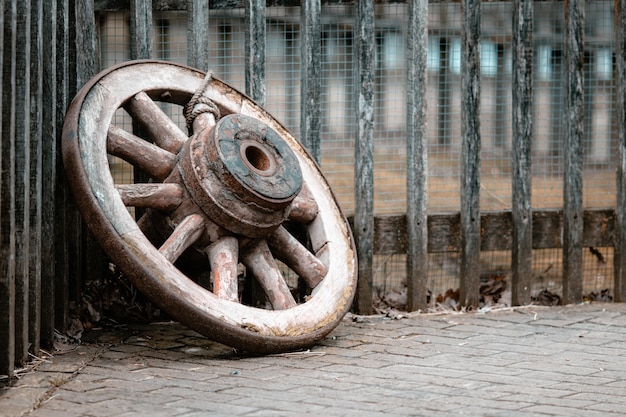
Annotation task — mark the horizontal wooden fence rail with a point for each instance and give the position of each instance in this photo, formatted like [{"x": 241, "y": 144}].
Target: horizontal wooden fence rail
[
  {"x": 391, "y": 234},
  {"x": 50, "y": 49}
]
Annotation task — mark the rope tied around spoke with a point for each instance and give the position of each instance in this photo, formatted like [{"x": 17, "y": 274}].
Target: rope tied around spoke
[{"x": 200, "y": 104}]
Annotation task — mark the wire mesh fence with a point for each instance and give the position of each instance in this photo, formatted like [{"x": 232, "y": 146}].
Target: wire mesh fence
[{"x": 283, "y": 54}]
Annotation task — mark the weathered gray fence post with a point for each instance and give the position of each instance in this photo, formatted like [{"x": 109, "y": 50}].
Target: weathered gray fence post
[
  {"x": 141, "y": 29},
  {"x": 86, "y": 60},
  {"x": 470, "y": 136},
  {"x": 364, "y": 70},
  {"x": 62, "y": 235},
  {"x": 36, "y": 178},
  {"x": 417, "y": 157},
  {"x": 311, "y": 84},
  {"x": 93, "y": 265},
  {"x": 7, "y": 188},
  {"x": 198, "y": 34},
  {"x": 76, "y": 60},
  {"x": 22, "y": 181},
  {"x": 140, "y": 48},
  {"x": 49, "y": 172},
  {"x": 573, "y": 147},
  {"x": 255, "y": 50},
  {"x": 522, "y": 141},
  {"x": 619, "y": 264}
]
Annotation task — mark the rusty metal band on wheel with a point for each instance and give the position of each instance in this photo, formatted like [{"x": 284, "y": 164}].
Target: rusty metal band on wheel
[{"x": 242, "y": 174}]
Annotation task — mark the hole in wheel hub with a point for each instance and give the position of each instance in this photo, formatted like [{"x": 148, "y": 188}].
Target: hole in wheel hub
[{"x": 257, "y": 158}]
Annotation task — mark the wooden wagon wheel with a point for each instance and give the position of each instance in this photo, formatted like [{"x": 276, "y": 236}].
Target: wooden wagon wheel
[{"x": 239, "y": 193}]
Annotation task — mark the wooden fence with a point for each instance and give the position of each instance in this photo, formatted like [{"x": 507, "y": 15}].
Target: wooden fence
[{"x": 50, "y": 49}]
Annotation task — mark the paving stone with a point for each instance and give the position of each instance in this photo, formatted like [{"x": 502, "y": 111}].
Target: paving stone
[
  {"x": 278, "y": 406},
  {"x": 215, "y": 408},
  {"x": 564, "y": 411},
  {"x": 567, "y": 401},
  {"x": 531, "y": 361},
  {"x": 619, "y": 409},
  {"x": 44, "y": 413}
]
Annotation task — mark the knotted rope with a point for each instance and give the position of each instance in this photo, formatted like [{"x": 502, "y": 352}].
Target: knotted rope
[{"x": 199, "y": 104}]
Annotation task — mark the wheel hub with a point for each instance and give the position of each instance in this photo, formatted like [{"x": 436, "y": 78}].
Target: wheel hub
[{"x": 242, "y": 175}]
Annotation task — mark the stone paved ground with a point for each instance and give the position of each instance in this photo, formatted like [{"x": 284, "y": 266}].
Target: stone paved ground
[{"x": 532, "y": 361}]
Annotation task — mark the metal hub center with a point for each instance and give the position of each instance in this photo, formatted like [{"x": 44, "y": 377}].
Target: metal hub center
[{"x": 242, "y": 174}]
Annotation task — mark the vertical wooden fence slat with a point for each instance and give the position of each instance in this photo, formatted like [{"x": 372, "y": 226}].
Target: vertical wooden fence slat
[
  {"x": 364, "y": 71},
  {"x": 36, "y": 138},
  {"x": 417, "y": 157},
  {"x": 573, "y": 147},
  {"x": 86, "y": 61},
  {"x": 198, "y": 34},
  {"x": 7, "y": 190},
  {"x": 73, "y": 221},
  {"x": 521, "y": 256},
  {"x": 87, "y": 65},
  {"x": 141, "y": 48},
  {"x": 48, "y": 173},
  {"x": 470, "y": 136},
  {"x": 311, "y": 84},
  {"x": 255, "y": 50},
  {"x": 619, "y": 260},
  {"x": 141, "y": 29},
  {"x": 22, "y": 180},
  {"x": 62, "y": 258}
]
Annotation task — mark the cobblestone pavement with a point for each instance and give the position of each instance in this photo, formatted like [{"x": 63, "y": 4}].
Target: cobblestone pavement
[{"x": 531, "y": 361}]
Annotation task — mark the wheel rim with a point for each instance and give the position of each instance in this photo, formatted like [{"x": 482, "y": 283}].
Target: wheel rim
[{"x": 227, "y": 239}]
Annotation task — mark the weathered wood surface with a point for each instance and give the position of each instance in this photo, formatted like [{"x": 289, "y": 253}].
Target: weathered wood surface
[
  {"x": 255, "y": 50},
  {"x": 259, "y": 261},
  {"x": 417, "y": 156},
  {"x": 619, "y": 265},
  {"x": 36, "y": 177},
  {"x": 87, "y": 61},
  {"x": 364, "y": 73},
  {"x": 22, "y": 182},
  {"x": 186, "y": 233},
  {"x": 63, "y": 233},
  {"x": 198, "y": 34},
  {"x": 164, "y": 197},
  {"x": 470, "y": 137},
  {"x": 444, "y": 231},
  {"x": 155, "y": 123},
  {"x": 573, "y": 151},
  {"x": 291, "y": 252},
  {"x": 311, "y": 84},
  {"x": 7, "y": 189},
  {"x": 140, "y": 29},
  {"x": 141, "y": 48},
  {"x": 521, "y": 262},
  {"x": 49, "y": 170},
  {"x": 224, "y": 259},
  {"x": 303, "y": 208},
  {"x": 151, "y": 159}
]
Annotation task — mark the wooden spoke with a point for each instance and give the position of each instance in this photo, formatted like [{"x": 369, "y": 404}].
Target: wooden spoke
[
  {"x": 303, "y": 209},
  {"x": 259, "y": 261},
  {"x": 224, "y": 258},
  {"x": 290, "y": 251},
  {"x": 185, "y": 234},
  {"x": 162, "y": 130},
  {"x": 164, "y": 197},
  {"x": 154, "y": 161}
]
